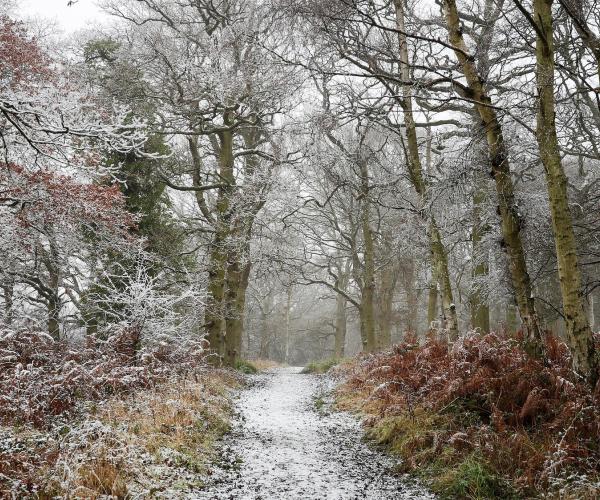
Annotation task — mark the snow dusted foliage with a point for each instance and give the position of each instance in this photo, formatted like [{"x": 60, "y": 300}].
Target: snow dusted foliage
[
  {"x": 46, "y": 117},
  {"x": 136, "y": 301},
  {"x": 537, "y": 424},
  {"x": 43, "y": 379},
  {"x": 52, "y": 229},
  {"x": 83, "y": 317}
]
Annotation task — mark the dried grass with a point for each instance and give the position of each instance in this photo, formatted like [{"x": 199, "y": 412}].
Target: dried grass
[{"x": 156, "y": 439}]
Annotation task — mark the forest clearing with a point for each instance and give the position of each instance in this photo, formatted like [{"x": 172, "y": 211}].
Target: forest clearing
[{"x": 284, "y": 249}]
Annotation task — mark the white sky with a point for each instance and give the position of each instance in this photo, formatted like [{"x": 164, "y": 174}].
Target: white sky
[{"x": 69, "y": 19}]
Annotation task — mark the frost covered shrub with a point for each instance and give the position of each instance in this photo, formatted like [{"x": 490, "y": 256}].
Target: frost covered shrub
[
  {"x": 41, "y": 378},
  {"x": 536, "y": 423}
]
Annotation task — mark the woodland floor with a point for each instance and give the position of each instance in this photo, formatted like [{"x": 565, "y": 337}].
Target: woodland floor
[{"x": 285, "y": 444}]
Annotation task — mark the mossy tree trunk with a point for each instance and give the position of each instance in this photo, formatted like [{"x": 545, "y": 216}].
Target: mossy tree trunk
[
  {"x": 50, "y": 291},
  {"x": 498, "y": 154},
  {"x": 385, "y": 302},
  {"x": 367, "y": 309},
  {"x": 579, "y": 333},
  {"x": 480, "y": 310},
  {"x": 288, "y": 312},
  {"x": 218, "y": 256},
  {"x": 432, "y": 302},
  {"x": 408, "y": 275},
  {"x": 237, "y": 277},
  {"x": 341, "y": 324}
]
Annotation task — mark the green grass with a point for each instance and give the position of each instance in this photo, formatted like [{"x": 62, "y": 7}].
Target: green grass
[
  {"x": 319, "y": 403},
  {"x": 320, "y": 366},
  {"x": 245, "y": 367},
  {"x": 473, "y": 479}
]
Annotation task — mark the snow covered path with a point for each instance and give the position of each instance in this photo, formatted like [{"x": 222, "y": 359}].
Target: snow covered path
[{"x": 283, "y": 448}]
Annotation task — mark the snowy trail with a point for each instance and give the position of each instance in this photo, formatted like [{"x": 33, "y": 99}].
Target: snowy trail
[{"x": 283, "y": 448}]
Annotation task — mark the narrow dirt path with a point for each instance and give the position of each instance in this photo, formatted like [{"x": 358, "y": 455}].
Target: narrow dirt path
[{"x": 282, "y": 447}]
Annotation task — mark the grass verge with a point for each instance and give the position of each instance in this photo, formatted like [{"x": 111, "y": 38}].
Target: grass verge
[{"x": 246, "y": 367}]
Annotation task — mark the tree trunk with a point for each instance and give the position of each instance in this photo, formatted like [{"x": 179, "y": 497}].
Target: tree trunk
[
  {"x": 480, "y": 310},
  {"x": 235, "y": 300},
  {"x": 511, "y": 319},
  {"x": 8, "y": 303},
  {"x": 54, "y": 307},
  {"x": 217, "y": 306},
  {"x": 579, "y": 334},
  {"x": 340, "y": 326},
  {"x": 438, "y": 251},
  {"x": 385, "y": 302},
  {"x": 288, "y": 307},
  {"x": 214, "y": 313},
  {"x": 440, "y": 262},
  {"x": 432, "y": 303},
  {"x": 367, "y": 309},
  {"x": 263, "y": 350},
  {"x": 591, "y": 311},
  {"x": 510, "y": 223},
  {"x": 408, "y": 282}
]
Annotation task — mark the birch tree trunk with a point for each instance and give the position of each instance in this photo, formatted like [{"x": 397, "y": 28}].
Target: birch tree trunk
[
  {"x": 510, "y": 223},
  {"x": 579, "y": 334}
]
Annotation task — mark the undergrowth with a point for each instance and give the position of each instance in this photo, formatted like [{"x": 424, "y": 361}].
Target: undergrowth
[
  {"x": 480, "y": 419},
  {"x": 110, "y": 418},
  {"x": 265, "y": 364},
  {"x": 157, "y": 440}
]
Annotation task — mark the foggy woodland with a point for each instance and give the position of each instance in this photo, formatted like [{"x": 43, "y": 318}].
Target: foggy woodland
[{"x": 204, "y": 182}]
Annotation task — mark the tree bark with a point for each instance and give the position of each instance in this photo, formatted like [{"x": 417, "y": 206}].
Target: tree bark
[
  {"x": 440, "y": 260},
  {"x": 432, "y": 303},
  {"x": 288, "y": 307},
  {"x": 8, "y": 302},
  {"x": 579, "y": 334},
  {"x": 367, "y": 309},
  {"x": 510, "y": 223},
  {"x": 480, "y": 310},
  {"x": 412, "y": 299},
  {"x": 385, "y": 301},
  {"x": 237, "y": 277},
  {"x": 216, "y": 308},
  {"x": 340, "y": 326}
]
